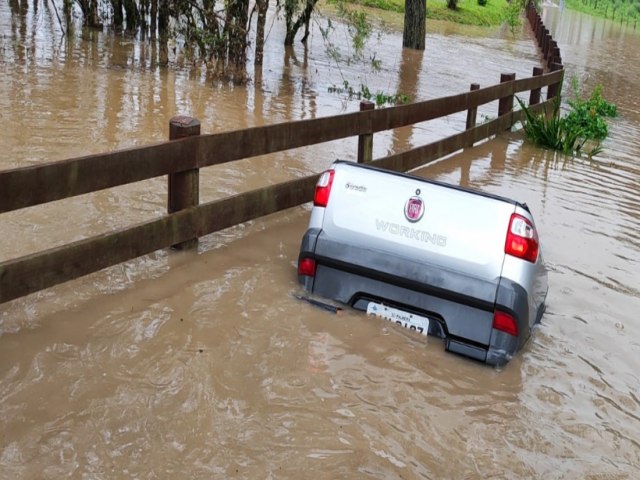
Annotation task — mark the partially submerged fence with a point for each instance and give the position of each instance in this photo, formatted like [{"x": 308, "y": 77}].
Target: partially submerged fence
[
  {"x": 187, "y": 152},
  {"x": 548, "y": 46}
]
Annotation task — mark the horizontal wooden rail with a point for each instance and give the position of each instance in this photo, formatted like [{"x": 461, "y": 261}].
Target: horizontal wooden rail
[
  {"x": 41, "y": 270},
  {"x": 34, "y": 185}
]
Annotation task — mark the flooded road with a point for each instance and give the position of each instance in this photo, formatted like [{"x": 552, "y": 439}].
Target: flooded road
[{"x": 203, "y": 365}]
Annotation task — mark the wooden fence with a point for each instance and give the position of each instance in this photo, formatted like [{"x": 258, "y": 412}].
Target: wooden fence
[{"x": 188, "y": 151}]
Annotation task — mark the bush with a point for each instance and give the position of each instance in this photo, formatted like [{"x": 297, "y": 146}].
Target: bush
[
  {"x": 587, "y": 115},
  {"x": 570, "y": 133},
  {"x": 549, "y": 130},
  {"x": 482, "y": 3},
  {"x": 513, "y": 14}
]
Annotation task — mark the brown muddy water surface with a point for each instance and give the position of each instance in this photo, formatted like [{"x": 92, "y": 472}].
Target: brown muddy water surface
[{"x": 203, "y": 365}]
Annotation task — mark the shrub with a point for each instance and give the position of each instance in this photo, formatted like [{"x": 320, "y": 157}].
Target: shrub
[
  {"x": 512, "y": 15},
  {"x": 587, "y": 115},
  {"x": 549, "y": 130},
  {"x": 569, "y": 134}
]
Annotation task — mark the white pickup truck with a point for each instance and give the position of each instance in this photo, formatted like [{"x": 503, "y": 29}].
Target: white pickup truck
[{"x": 439, "y": 259}]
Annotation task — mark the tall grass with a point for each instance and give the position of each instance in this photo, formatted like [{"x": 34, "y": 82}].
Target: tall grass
[
  {"x": 585, "y": 121},
  {"x": 550, "y": 130}
]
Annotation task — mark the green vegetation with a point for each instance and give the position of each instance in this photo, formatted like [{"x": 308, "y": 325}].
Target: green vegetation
[
  {"x": 585, "y": 121},
  {"x": 468, "y": 12},
  {"x": 513, "y": 15},
  {"x": 363, "y": 93},
  {"x": 588, "y": 115},
  {"x": 360, "y": 31},
  {"x": 627, "y": 11},
  {"x": 549, "y": 130}
]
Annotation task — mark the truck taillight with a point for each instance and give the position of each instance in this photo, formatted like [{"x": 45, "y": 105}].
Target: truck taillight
[
  {"x": 307, "y": 267},
  {"x": 323, "y": 189},
  {"x": 522, "y": 239},
  {"x": 505, "y": 323}
]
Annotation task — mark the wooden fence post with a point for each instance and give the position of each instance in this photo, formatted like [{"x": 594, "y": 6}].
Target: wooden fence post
[
  {"x": 184, "y": 187},
  {"x": 553, "y": 90},
  {"x": 472, "y": 113},
  {"x": 365, "y": 141},
  {"x": 534, "y": 96},
  {"x": 505, "y": 104},
  {"x": 554, "y": 52},
  {"x": 547, "y": 44}
]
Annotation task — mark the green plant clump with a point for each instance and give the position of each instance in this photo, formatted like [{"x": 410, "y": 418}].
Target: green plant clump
[
  {"x": 585, "y": 121},
  {"x": 549, "y": 131},
  {"x": 513, "y": 14},
  {"x": 588, "y": 116}
]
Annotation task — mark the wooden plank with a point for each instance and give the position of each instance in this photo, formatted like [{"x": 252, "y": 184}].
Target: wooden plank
[
  {"x": 420, "y": 156},
  {"x": 538, "y": 81},
  {"x": 33, "y": 185},
  {"x": 31, "y": 273},
  {"x": 225, "y": 147}
]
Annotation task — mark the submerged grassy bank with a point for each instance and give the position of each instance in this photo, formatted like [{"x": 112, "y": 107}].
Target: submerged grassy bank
[
  {"x": 623, "y": 12},
  {"x": 468, "y": 12}
]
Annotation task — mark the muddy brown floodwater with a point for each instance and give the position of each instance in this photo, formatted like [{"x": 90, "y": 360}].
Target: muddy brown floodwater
[{"x": 203, "y": 365}]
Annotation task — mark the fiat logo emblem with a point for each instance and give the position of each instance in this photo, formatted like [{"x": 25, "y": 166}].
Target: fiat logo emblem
[{"x": 414, "y": 209}]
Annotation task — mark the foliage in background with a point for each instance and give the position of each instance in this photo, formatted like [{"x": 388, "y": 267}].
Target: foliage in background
[
  {"x": 513, "y": 15},
  {"x": 585, "y": 121},
  {"x": 360, "y": 31},
  {"x": 363, "y": 93},
  {"x": 627, "y": 11}
]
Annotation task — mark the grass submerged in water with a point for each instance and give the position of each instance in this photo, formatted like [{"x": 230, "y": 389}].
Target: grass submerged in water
[{"x": 469, "y": 12}]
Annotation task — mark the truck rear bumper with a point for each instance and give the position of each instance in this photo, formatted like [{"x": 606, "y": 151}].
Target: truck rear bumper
[{"x": 461, "y": 308}]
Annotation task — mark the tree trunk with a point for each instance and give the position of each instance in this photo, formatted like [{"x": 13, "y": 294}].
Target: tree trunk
[
  {"x": 94, "y": 20},
  {"x": 153, "y": 19},
  {"x": 90, "y": 13},
  {"x": 133, "y": 15},
  {"x": 144, "y": 13},
  {"x": 303, "y": 19},
  {"x": 163, "y": 31},
  {"x": 289, "y": 10},
  {"x": 118, "y": 15},
  {"x": 67, "y": 9},
  {"x": 263, "y": 6},
  {"x": 414, "y": 24},
  {"x": 236, "y": 29}
]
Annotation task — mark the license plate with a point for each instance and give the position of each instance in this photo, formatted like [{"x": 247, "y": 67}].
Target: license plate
[{"x": 408, "y": 320}]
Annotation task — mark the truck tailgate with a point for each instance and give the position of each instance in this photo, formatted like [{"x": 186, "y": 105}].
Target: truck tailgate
[{"x": 431, "y": 224}]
